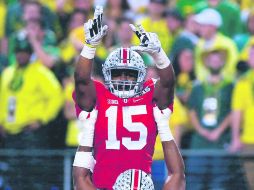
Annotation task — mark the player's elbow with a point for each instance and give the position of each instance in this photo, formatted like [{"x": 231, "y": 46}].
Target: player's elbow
[
  {"x": 180, "y": 176},
  {"x": 178, "y": 181},
  {"x": 179, "y": 173},
  {"x": 182, "y": 181}
]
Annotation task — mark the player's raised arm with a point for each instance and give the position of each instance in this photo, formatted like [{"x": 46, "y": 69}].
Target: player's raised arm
[
  {"x": 84, "y": 86},
  {"x": 86, "y": 98},
  {"x": 149, "y": 43}
]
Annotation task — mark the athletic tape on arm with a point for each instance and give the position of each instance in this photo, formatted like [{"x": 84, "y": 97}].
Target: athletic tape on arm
[{"x": 162, "y": 119}]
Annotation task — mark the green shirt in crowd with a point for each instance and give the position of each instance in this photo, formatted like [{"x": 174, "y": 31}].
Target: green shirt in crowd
[{"x": 211, "y": 104}]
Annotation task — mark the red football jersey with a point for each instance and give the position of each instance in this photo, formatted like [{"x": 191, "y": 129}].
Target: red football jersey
[{"x": 125, "y": 134}]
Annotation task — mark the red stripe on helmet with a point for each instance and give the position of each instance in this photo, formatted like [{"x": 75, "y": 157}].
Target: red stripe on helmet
[
  {"x": 125, "y": 56},
  {"x": 136, "y": 180}
]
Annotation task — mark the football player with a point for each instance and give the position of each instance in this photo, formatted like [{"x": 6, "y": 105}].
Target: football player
[{"x": 122, "y": 118}]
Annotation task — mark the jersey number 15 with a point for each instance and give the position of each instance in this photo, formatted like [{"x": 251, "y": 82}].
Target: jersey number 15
[{"x": 128, "y": 112}]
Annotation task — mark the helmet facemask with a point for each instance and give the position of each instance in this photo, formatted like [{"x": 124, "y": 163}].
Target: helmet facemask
[{"x": 133, "y": 72}]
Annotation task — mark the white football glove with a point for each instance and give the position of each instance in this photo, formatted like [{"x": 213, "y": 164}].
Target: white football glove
[
  {"x": 150, "y": 43},
  {"x": 94, "y": 30}
]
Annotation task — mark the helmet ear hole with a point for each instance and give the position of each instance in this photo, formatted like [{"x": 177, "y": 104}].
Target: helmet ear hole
[{"x": 128, "y": 63}]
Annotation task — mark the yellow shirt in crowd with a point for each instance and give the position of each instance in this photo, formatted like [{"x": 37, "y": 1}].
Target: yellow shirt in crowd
[
  {"x": 52, "y": 5},
  {"x": 243, "y": 100},
  {"x": 2, "y": 16},
  {"x": 73, "y": 129},
  {"x": 38, "y": 99}
]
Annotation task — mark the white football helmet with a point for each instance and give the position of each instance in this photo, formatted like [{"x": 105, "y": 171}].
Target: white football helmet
[
  {"x": 133, "y": 179},
  {"x": 124, "y": 59}
]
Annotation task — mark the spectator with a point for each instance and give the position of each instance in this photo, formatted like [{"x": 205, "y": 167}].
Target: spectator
[
  {"x": 71, "y": 45},
  {"x": 209, "y": 21},
  {"x": 231, "y": 24},
  {"x": 187, "y": 38},
  {"x": 174, "y": 22},
  {"x": 124, "y": 34},
  {"x": 209, "y": 106},
  {"x": 242, "y": 116},
  {"x": 24, "y": 10},
  {"x": 43, "y": 42},
  {"x": 184, "y": 70},
  {"x": 30, "y": 98},
  {"x": 116, "y": 9},
  {"x": 84, "y": 5}
]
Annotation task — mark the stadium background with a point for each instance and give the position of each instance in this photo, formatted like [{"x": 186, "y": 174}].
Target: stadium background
[{"x": 38, "y": 142}]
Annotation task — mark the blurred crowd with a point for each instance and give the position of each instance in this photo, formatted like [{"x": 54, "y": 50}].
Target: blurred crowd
[{"x": 209, "y": 42}]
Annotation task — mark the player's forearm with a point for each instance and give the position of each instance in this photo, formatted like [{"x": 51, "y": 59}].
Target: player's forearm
[
  {"x": 165, "y": 86},
  {"x": 82, "y": 179},
  {"x": 84, "y": 86},
  {"x": 81, "y": 172},
  {"x": 83, "y": 70},
  {"x": 167, "y": 77},
  {"x": 175, "y": 166}
]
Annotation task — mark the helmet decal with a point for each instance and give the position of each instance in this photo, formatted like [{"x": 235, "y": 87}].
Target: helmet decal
[{"x": 125, "y": 55}]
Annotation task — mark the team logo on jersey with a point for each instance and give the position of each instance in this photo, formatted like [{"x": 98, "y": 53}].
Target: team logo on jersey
[{"x": 110, "y": 101}]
